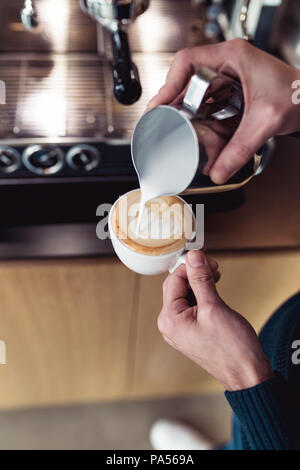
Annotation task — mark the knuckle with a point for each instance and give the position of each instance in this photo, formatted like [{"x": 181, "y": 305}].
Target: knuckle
[
  {"x": 204, "y": 276},
  {"x": 182, "y": 54},
  {"x": 270, "y": 109},
  {"x": 168, "y": 340},
  {"x": 238, "y": 44},
  {"x": 236, "y": 49},
  {"x": 160, "y": 324},
  {"x": 162, "y": 88},
  {"x": 213, "y": 263},
  {"x": 165, "y": 285},
  {"x": 164, "y": 324},
  {"x": 273, "y": 114}
]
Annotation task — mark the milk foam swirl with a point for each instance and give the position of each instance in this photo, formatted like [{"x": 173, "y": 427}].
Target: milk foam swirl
[{"x": 166, "y": 224}]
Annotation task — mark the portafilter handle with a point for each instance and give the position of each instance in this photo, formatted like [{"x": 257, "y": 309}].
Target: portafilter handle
[{"x": 127, "y": 86}]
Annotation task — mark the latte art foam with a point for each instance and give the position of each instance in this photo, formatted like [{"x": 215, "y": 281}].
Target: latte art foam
[{"x": 166, "y": 224}]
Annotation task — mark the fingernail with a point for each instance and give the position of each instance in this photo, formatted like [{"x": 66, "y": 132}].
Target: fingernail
[
  {"x": 220, "y": 175},
  {"x": 196, "y": 258},
  {"x": 150, "y": 106},
  {"x": 151, "y": 103}
]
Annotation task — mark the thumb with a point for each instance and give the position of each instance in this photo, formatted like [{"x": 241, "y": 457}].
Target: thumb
[
  {"x": 200, "y": 277},
  {"x": 251, "y": 134}
]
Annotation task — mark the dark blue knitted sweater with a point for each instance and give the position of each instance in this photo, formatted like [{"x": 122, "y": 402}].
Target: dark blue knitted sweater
[{"x": 267, "y": 416}]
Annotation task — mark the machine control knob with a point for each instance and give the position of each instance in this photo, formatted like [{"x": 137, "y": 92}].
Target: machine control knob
[
  {"x": 43, "y": 159},
  {"x": 10, "y": 159},
  {"x": 83, "y": 157}
]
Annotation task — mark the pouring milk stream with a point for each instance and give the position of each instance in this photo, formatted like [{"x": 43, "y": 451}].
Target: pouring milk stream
[{"x": 164, "y": 155}]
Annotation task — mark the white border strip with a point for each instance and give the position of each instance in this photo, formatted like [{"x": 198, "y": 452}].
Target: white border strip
[{"x": 2, "y": 92}]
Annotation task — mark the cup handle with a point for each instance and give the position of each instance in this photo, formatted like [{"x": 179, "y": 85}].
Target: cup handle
[{"x": 180, "y": 260}]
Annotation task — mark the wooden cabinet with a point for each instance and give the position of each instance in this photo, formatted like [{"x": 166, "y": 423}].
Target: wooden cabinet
[
  {"x": 66, "y": 325},
  {"x": 80, "y": 331}
]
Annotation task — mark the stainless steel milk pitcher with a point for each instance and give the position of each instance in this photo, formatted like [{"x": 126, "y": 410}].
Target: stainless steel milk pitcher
[{"x": 197, "y": 130}]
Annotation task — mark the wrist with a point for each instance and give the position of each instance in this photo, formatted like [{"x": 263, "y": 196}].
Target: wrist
[{"x": 252, "y": 373}]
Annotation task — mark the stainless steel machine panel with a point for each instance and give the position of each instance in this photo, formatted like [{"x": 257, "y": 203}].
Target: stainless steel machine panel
[{"x": 71, "y": 96}]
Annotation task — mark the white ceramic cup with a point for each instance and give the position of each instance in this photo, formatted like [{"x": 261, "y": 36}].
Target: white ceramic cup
[{"x": 147, "y": 264}]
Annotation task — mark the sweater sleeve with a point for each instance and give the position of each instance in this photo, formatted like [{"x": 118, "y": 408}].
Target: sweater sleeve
[{"x": 269, "y": 414}]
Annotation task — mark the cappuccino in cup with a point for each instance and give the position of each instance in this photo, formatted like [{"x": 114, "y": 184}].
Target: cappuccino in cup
[{"x": 155, "y": 244}]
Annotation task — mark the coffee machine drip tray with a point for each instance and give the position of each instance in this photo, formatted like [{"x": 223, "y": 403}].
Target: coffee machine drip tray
[{"x": 70, "y": 96}]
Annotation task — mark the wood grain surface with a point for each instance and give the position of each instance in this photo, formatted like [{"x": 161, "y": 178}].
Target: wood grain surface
[{"x": 66, "y": 326}]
